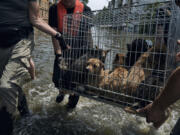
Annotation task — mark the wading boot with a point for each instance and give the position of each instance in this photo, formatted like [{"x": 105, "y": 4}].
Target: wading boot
[
  {"x": 23, "y": 107},
  {"x": 73, "y": 100},
  {"x": 60, "y": 97},
  {"x": 6, "y": 122}
]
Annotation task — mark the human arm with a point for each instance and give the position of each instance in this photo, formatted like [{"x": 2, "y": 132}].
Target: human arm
[
  {"x": 156, "y": 112},
  {"x": 37, "y": 21},
  {"x": 57, "y": 48}
]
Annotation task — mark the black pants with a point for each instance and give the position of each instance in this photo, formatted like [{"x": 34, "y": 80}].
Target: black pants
[{"x": 176, "y": 129}]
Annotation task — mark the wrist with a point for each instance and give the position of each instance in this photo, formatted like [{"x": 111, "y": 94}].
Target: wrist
[
  {"x": 159, "y": 105},
  {"x": 58, "y": 35},
  {"x": 58, "y": 55}
]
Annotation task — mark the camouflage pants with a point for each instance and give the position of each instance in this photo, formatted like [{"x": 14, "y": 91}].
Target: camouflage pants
[{"x": 14, "y": 62}]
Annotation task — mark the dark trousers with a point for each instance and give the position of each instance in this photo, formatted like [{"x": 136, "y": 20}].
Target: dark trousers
[{"x": 176, "y": 129}]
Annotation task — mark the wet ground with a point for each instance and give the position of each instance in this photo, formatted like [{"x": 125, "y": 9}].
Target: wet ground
[{"x": 89, "y": 118}]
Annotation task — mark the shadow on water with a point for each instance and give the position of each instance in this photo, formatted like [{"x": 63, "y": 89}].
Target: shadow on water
[{"x": 89, "y": 117}]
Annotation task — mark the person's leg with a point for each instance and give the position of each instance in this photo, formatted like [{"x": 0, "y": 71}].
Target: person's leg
[
  {"x": 176, "y": 129},
  {"x": 6, "y": 123},
  {"x": 56, "y": 80},
  {"x": 8, "y": 96},
  {"x": 22, "y": 102},
  {"x": 31, "y": 69},
  {"x": 13, "y": 75},
  {"x": 73, "y": 100}
]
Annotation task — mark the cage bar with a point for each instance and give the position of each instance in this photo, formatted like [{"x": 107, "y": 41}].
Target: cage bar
[{"x": 120, "y": 56}]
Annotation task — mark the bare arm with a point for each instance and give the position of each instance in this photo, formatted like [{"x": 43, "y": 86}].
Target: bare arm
[
  {"x": 156, "y": 111},
  {"x": 171, "y": 92},
  {"x": 37, "y": 21},
  {"x": 57, "y": 48}
]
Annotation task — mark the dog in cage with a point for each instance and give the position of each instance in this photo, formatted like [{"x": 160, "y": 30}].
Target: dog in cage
[
  {"x": 88, "y": 53},
  {"x": 118, "y": 61},
  {"x": 151, "y": 61},
  {"x": 96, "y": 71},
  {"x": 77, "y": 73},
  {"x": 135, "y": 49},
  {"x": 114, "y": 80},
  {"x": 103, "y": 53},
  {"x": 101, "y": 78}
]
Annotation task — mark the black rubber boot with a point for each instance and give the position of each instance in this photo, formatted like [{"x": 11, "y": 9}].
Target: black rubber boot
[
  {"x": 176, "y": 129},
  {"x": 6, "y": 122},
  {"x": 60, "y": 97},
  {"x": 23, "y": 106},
  {"x": 73, "y": 100}
]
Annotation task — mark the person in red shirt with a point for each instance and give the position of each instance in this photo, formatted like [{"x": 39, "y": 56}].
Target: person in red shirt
[{"x": 76, "y": 39}]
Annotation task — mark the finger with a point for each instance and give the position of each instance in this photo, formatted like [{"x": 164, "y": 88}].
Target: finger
[{"x": 143, "y": 110}]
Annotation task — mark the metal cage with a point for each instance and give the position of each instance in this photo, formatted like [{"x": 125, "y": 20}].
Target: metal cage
[{"x": 120, "y": 56}]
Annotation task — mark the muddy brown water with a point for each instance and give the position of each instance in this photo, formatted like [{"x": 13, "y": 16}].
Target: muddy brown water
[{"x": 89, "y": 118}]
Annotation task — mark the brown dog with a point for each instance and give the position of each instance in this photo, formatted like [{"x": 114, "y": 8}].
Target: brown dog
[
  {"x": 153, "y": 59},
  {"x": 96, "y": 71},
  {"x": 118, "y": 61},
  {"x": 103, "y": 53},
  {"x": 114, "y": 81}
]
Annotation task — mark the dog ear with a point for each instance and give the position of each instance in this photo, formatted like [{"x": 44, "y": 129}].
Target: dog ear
[{"x": 116, "y": 57}]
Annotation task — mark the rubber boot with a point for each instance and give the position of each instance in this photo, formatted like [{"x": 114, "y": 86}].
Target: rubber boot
[
  {"x": 6, "y": 122},
  {"x": 23, "y": 106},
  {"x": 73, "y": 100},
  {"x": 60, "y": 97}
]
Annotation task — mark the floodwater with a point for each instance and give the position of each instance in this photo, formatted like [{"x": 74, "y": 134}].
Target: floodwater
[{"x": 89, "y": 118}]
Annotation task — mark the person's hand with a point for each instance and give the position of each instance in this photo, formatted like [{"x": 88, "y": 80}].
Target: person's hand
[
  {"x": 154, "y": 114},
  {"x": 58, "y": 58},
  {"x": 68, "y": 47},
  {"x": 62, "y": 42},
  {"x": 177, "y": 2}
]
